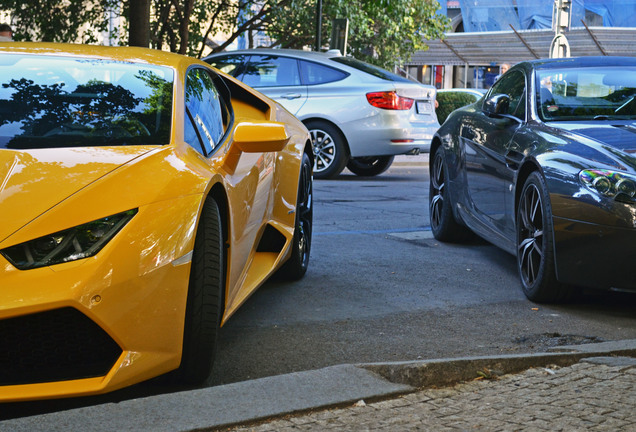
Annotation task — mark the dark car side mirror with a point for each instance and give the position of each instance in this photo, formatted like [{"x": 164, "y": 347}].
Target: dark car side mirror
[{"x": 496, "y": 105}]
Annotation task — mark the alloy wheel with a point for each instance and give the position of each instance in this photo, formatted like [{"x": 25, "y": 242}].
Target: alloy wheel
[
  {"x": 437, "y": 190},
  {"x": 324, "y": 149},
  {"x": 530, "y": 237}
]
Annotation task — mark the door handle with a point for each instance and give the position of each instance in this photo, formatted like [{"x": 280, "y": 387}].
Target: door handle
[{"x": 291, "y": 96}]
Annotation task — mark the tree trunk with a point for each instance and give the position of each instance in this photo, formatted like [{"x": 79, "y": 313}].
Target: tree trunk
[
  {"x": 139, "y": 23},
  {"x": 184, "y": 26}
]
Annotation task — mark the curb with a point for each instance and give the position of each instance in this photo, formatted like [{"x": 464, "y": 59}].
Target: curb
[
  {"x": 266, "y": 398},
  {"x": 447, "y": 372}
]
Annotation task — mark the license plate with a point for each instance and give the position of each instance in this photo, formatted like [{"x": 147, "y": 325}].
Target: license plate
[{"x": 423, "y": 107}]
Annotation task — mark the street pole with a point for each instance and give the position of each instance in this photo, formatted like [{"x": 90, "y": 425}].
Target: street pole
[
  {"x": 318, "y": 25},
  {"x": 561, "y": 18}
]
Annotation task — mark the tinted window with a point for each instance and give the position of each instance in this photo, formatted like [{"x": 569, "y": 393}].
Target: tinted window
[
  {"x": 64, "y": 102},
  {"x": 314, "y": 73},
  {"x": 587, "y": 93},
  {"x": 191, "y": 136},
  {"x": 271, "y": 71},
  {"x": 205, "y": 110},
  {"x": 370, "y": 69},
  {"x": 513, "y": 84},
  {"x": 229, "y": 64}
]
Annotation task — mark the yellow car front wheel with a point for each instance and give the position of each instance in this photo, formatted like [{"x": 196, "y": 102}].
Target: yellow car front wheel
[{"x": 205, "y": 299}]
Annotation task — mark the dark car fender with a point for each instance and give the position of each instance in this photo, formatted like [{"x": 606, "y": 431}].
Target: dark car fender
[{"x": 571, "y": 200}]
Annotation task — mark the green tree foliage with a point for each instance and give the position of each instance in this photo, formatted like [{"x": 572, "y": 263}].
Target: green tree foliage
[
  {"x": 383, "y": 32},
  {"x": 178, "y": 25},
  {"x": 184, "y": 26},
  {"x": 60, "y": 20},
  {"x": 222, "y": 16}
]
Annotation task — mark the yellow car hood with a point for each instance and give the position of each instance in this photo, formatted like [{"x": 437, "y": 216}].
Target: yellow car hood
[{"x": 33, "y": 181}]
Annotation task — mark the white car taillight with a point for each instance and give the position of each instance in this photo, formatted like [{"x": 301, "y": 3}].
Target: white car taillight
[{"x": 389, "y": 100}]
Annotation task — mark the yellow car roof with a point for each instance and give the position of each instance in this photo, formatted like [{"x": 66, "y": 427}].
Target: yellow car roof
[{"x": 127, "y": 54}]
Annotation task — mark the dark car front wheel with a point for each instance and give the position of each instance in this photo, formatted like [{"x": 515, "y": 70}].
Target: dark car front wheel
[
  {"x": 370, "y": 165},
  {"x": 330, "y": 150},
  {"x": 443, "y": 224},
  {"x": 535, "y": 248}
]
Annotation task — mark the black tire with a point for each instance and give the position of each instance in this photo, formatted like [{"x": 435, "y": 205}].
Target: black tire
[
  {"x": 370, "y": 165},
  {"x": 297, "y": 264},
  {"x": 330, "y": 150},
  {"x": 443, "y": 224},
  {"x": 205, "y": 299},
  {"x": 535, "y": 248}
]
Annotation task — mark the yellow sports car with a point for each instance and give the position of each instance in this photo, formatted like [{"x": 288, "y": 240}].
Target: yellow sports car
[{"x": 143, "y": 197}]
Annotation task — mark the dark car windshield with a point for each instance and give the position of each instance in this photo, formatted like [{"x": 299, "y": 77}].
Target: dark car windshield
[
  {"x": 586, "y": 93},
  {"x": 48, "y": 102},
  {"x": 370, "y": 69}
]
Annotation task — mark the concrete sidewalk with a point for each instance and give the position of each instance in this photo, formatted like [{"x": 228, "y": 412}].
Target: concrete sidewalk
[
  {"x": 591, "y": 387},
  {"x": 596, "y": 394}
]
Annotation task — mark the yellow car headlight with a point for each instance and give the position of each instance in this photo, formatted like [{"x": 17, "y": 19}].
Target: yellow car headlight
[{"x": 71, "y": 244}]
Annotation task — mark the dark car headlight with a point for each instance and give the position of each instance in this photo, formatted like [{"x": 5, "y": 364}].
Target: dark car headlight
[
  {"x": 611, "y": 184},
  {"x": 71, "y": 244}
]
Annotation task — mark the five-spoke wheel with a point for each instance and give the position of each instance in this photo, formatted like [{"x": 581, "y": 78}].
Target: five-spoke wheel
[
  {"x": 330, "y": 150},
  {"x": 535, "y": 249},
  {"x": 443, "y": 223}
]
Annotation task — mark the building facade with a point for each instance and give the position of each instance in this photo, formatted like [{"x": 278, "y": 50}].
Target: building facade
[{"x": 488, "y": 33}]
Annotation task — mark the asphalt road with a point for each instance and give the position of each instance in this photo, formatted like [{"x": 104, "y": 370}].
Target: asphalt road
[{"x": 380, "y": 288}]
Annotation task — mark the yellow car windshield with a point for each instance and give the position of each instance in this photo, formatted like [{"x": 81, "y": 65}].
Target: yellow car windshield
[{"x": 49, "y": 102}]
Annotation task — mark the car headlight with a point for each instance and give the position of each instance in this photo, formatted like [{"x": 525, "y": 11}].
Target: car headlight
[
  {"x": 611, "y": 184},
  {"x": 71, "y": 244}
]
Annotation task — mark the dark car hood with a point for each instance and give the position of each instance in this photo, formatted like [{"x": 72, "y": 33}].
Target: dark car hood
[
  {"x": 619, "y": 136},
  {"x": 613, "y": 144}
]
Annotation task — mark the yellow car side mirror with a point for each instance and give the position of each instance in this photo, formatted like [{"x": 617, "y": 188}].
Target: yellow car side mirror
[{"x": 260, "y": 137}]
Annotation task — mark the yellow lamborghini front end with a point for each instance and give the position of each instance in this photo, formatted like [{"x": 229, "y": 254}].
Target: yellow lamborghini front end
[{"x": 108, "y": 159}]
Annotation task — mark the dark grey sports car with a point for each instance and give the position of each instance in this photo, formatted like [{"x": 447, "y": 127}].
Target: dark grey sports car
[{"x": 545, "y": 168}]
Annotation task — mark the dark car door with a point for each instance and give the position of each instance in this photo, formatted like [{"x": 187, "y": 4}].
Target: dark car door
[{"x": 487, "y": 141}]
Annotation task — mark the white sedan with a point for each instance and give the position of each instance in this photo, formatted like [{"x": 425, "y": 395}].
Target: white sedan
[{"x": 358, "y": 115}]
